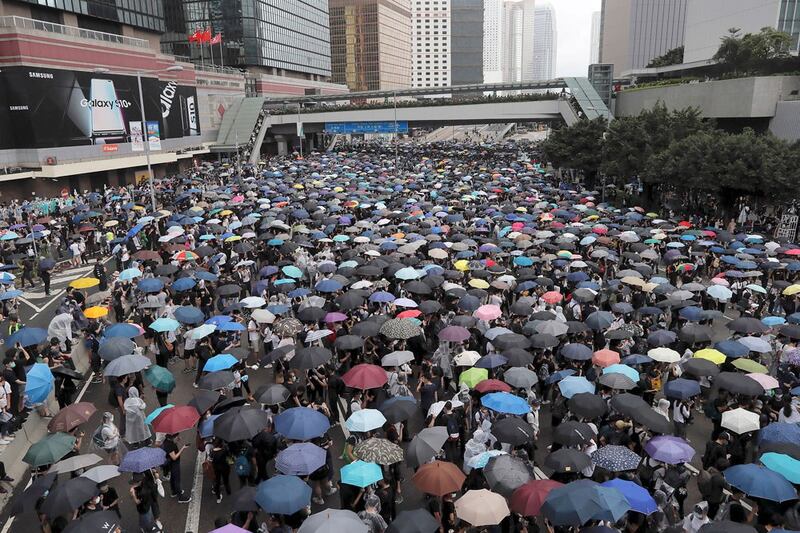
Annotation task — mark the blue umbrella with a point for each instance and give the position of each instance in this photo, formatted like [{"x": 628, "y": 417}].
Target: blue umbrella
[
  {"x": 572, "y": 385},
  {"x": 780, "y": 432},
  {"x": 231, "y": 326},
  {"x": 361, "y": 474},
  {"x": 292, "y": 271},
  {"x": 681, "y": 389},
  {"x": 150, "y": 285},
  {"x": 142, "y": 459},
  {"x": 283, "y": 494},
  {"x": 558, "y": 376},
  {"x": 625, "y": 370},
  {"x": 188, "y": 314},
  {"x": 504, "y": 402},
  {"x": 301, "y": 423},
  {"x": 300, "y": 459},
  {"x": 328, "y": 285},
  {"x": 27, "y": 336},
  {"x": 129, "y": 274},
  {"x": 381, "y": 297},
  {"x": 637, "y": 359},
  {"x": 124, "y": 330},
  {"x": 222, "y": 361},
  {"x": 732, "y": 348},
  {"x": 206, "y": 276},
  {"x": 636, "y": 495},
  {"x": 8, "y": 295},
  {"x": 184, "y": 284},
  {"x": 616, "y": 458},
  {"x": 578, "y": 352},
  {"x": 576, "y": 503},
  {"x": 783, "y": 464},
  {"x": 152, "y": 416},
  {"x": 207, "y": 426},
  {"x": 165, "y": 324},
  {"x": 218, "y": 320},
  {"x": 38, "y": 383},
  {"x": 760, "y": 482},
  {"x": 492, "y": 360}
]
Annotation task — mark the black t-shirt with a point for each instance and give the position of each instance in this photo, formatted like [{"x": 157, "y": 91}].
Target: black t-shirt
[
  {"x": 11, "y": 377},
  {"x": 169, "y": 446},
  {"x": 219, "y": 457}
]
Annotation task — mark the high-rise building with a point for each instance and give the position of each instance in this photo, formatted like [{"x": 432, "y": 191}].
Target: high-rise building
[
  {"x": 492, "y": 41},
  {"x": 518, "y": 46},
  {"x": 544, "y": 42},
  {"x": 371, "y": 43},
  {"x": 633, "y": 32},
  {"x": 430, "y": 43},
  {"x": 707, "y": 21},
  {"x": 594, "y": 53},
  {"x": 467, "y": 42},
  {"x": 283, "y": 37}
]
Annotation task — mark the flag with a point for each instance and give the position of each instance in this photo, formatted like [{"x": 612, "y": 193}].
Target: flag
[
  {"x": 217, "y": 39},
  {"x": 196, "y": 36},
  {"x": 205, "y": 36}
]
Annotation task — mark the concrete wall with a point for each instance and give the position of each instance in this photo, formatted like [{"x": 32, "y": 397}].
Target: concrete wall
[
  {"x": 707, "y": 21},
  {"x": 786, "y": 124},
  {"x": 755, "y": 97}
]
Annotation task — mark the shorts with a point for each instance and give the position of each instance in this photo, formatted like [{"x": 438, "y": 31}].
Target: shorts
[{"x": 188, "y": 354}]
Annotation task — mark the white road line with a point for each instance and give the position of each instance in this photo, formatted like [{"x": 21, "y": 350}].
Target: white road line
[
  {"x": 26, "y": 302},
  {"x": 193, "y": 513},
  {"x": 10, "y": 521}
]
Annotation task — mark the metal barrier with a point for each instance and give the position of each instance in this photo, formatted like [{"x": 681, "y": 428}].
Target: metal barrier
[{"x": 13, "y": 21}]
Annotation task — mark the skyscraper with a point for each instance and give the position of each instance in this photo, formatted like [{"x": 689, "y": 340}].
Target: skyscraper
[
  {"x": 371, "y": 43},
  {"x": 518, "y": 45},
  {"x": 466, "y": 39},
  {"x": 430, "y": 43},
  {"x": 492, "y": 41},
  {"x": 544, "y": 42},
  {"x": 594, "y": 52},
  {"x": 633, "y": 32},
  {"x": 255, "y": 33}
]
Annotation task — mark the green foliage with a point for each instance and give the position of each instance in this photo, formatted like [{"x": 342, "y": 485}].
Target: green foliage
[
  {"x": 671, "y": 57},
  {"x": 578, "y": 146},
  {"x": 752, "y": 51}
]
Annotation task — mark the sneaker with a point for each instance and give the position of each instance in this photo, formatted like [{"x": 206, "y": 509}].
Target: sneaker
[
  {"x": 185, "y": 499},
  {"x": 254, "y": 367},
  {"x": 11, "y": 436},
  {"x": 2, "y": 490},
  {"x": 330, "y": 491},
  {"x": 318, "y": 501},
  {"x": 194, "y": 385},
  {"x": 4, "y": 442},
  {"x": 7, "y": 479},
  {"x": 398, "y": 500},
  {"x": 219, "y": 498}
]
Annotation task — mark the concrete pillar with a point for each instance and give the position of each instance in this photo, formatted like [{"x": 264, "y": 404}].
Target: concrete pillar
[
  {"x": 310, "y": 142},
  {"x": 283, "y": 147}
]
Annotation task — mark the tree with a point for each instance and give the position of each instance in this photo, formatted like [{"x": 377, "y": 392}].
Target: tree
[
  {"x": 671, "y": 57},
  {"x": 578, "y": 147},
  {"x": 731, "y": 51},
  {"x": 752, "y": 51}
]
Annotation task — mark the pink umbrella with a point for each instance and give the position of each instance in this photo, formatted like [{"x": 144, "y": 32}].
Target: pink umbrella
[
  {"x": 605, "y": 357},
  {"x": 335, "y": 317},
  {"x": 238, "y": 198},
  {"x": 365, "y": 376},
  {"x": 765, "y": 380},
  {"x": 720, "y": 281},
  {"x": 552, "y": 297},
  {"x": 454, "y": 334},
  {"x": 487, "y": 312}
]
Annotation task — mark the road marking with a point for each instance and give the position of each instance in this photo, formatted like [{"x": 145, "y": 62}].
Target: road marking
[
  {"x": 48, "y": 304},
  {"x": 193, "y": 513},
  {"x": 26, "y": 302}
]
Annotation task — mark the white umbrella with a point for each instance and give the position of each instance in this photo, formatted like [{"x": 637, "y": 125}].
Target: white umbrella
[
  {"x": 317, "y": 335},
  {"x": 740, "y": 421},
  {"x": 664, "y": 355},
  {"x": 437, "y": 407},
  {"x": 201, "y": 331},
  {"x": 397, "y": 358},
  {"x": 253, "y": 302},
  {"x": 101, "y": 473},
  {"x": 756, "y": 344},
  {"x": 466, "y": 358},
  {"x": 263, "y": 316},
  {"x": 482, "y": 508}
]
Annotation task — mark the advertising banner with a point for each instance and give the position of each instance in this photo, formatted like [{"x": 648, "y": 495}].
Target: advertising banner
[
  {"x": 137, "y": 135},
  {"x": 401, "y": 126},
  {"x": 153, "y": 136},
  {"x": 44, "y": 108}
]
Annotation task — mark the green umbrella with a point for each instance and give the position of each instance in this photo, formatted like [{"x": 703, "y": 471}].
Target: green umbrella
[
  {"x": 473, "y": 376},
  {"x": 49, "y": 450},
  {"x": 748, "y": 365},
  {"x": 160, "y": 378}
]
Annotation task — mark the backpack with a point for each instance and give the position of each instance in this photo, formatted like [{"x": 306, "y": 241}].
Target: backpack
[
  {"x": 241, "y": 465},
  {"x": 97, "y": 437},
  {"x": 704, "y": 482}
]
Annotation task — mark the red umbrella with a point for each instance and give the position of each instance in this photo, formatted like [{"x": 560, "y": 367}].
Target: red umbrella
[
  {"x": 552, "y": 297},
  {"x": 365, "y": 376},
  {"x": 527, "y": 500},
  {"x": 411, "y": 313},
  {"x": 492, "y": 385},
  {"x": 176, "y": 419},
  {"x": 439, "y": 478}
]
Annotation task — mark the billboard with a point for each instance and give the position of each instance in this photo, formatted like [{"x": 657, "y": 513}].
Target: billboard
[
  {"x": 45, "y": 108},
  {"x": 367, "y": 127}
]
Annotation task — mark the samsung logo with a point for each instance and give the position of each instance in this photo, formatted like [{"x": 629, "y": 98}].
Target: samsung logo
[
  {"x": 40, "y": 75},
  {"x": 113, "y": 104},
  {"x": 18, "y": 108}
]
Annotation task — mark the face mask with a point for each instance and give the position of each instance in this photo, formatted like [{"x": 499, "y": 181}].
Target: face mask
[{"x": 13, "y": 365}]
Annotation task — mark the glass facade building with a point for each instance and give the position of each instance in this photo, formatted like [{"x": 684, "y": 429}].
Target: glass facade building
[
  {"x": 789, "y": 21},
  {"x": 144, "y": 14},
  {"x": 371, "y": 44},
  {"x": 285, "y": 35},
  {"x": 467, "y": 42}
]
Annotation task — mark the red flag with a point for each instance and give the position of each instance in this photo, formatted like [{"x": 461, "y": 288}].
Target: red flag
[
  {"x": 217, "y": 39},
  {"x": 196, "y": 36},
  {"x": 205, "y": 36}
]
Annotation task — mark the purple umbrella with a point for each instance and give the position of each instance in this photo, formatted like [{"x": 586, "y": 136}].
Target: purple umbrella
[
  {"x": 669, "y": 449},
  {"x": 335, "y": 317},
  {"x": 300, "y": 459},
  {"x": 142, "y": 459},
  {"x": 454, "y": 334}
]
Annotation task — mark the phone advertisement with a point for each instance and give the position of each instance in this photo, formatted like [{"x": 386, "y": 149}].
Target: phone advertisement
[{"x": 45, "y": 108}]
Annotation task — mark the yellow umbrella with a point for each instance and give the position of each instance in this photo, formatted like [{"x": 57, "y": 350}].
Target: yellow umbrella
[
  {"x": 473, "y": 376},
  {"x": 791, "y": 290},
  {"x": 96, "y": 312},
  {"x": 234, "y": 238},
  {"x": 84, "y": 283},
  {"x": 710, "y": 354},
  {"x": 462, "y": 265},
  {"x": 297, "y": 186},
  {"x": 111, "y": 223},
  {"x": 478, "y": 283},
  {"x": 225, "y": 212},
  {"x": 748, "y": 365}
]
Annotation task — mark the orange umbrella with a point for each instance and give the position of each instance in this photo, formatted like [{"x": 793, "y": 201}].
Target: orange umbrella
[
  {"x": 439, "y": 478},
  {"x": 96, "y": 312},
  {"x": 605, "y": 357}
]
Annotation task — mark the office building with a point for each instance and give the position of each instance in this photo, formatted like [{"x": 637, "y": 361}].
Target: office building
[
  {"x": 708, "y": 21},
  {"x": 633, "y": 32},
  {"x": 601, "y": 76},
  {"x": 278, "y": 37},
  {"x": 594, "y": 52},
  {"x": 467, "y": 42},
  {"x": 430, "y": 43},
  {"x": 544, "y": 42},
  {"x": 492, "y": 41},
  {"x": 371, "y": 43},
  {"x": 518, "y": 40}
]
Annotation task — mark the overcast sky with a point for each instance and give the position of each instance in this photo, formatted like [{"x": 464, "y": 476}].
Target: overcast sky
[{"x": 574, "y": 20}]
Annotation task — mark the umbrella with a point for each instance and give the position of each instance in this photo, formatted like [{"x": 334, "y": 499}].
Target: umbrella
[
  {"x": 204, "y": 400},
  {"x": 571, "y": 385},
  {"x": 741, "y": 420},
  {"x": 760, "y": 482},
  {"x": 188, "y": 314},
  {"x": 416, "y": 521},
  {"x": 726, "y": 526},
  {"x": 26, "y": 336},
  {"x": 300, "y": 459},
  {"x": 97, "y": 521},
  {"x": 283, "y": 495},
  {"x": 311, "y": 357},
  {"x": 127, "y": 364},
  {"x": 272, "y": 394},
  {"x": 176, "y": 419},
  {"x": 397, "y": 358},
  {"x": 439, "y": 478},
  {"x": 240, "y": 424},
  {"x": 636, "y": 495},
  {"x": 116, "y": 347},
  {"x": 216, "y": 380},
  {"x": 681, "y": 389},
  {"x": 68, "y": 496},
  {"x": 333, "y": 521},
  {"x": 49, "y": 450},
  {"x": 567, "y": 460},
  {"x": 365, "y": 376},
  {"x": 700, "y": 368},
  {"x": 472, "y": 376},
  {"x": 219, "y": 362},
  {"x": 157, "y": 411},
  {"x": 142, "y": 459},
  {"x": 426, "y": 445},
  {"x": 454, "y": 334},
  {"x": 76, "y": 462},
  {"x": 521, "y": 378},
  {"x": 669, "y": 449},
  {"x": 39, "y": 382},
  {"x": 527, "y": 500},
  {"x": 244, "y": 499},
  {"x": 124, "y": 330},
  {"x": 71, "y": 417},
  {"x": 365, "y": 420},
  {"x": 400, "y": 328},
  {"x": 738, "y": 384},
  {"x": 361, "y": 474},
  {"x": 101, "y": 473},
  {"x": 578, "y": 502},
  {"x": 505, "y": 474},
  {"x": 783, "y": 464},
  {"x": 616, "y": 458},
  {"x": 481, "y": 508},
  {"x": 301, "y": 423},
  {"x": 164, "y": 324},
  {"x": 26, "y": 501},
  {"x": 380, "y": 451},
  {"x": 573, "y": 433},
  {"x": 504, "y": 402},
  {"x": 587, "y": 405},
  {"x": 398, "y": 408},
  {"x": 618, "y": 381},
  {"x": 160, "y": 378},
  {"x": 513, "y": 431},
  {"x": 780, "y": 432}
]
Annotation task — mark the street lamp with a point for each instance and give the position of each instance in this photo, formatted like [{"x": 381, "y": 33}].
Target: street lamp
[{"x": 173, "y": 68}]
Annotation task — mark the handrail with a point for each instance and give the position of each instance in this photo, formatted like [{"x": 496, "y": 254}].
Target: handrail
[{"x": 13, "y": 21}]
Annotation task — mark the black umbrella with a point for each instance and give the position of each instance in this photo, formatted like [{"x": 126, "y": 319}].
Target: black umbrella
[
  {"x": 694, "y": 333},
  {"x": 738, "y": 384},
  {"x": 312, "y": 357},
  {"x": 653, "y": 421},
  {"x": 700, "y": 367},
  {"x": 227, "y": 404},
  {"x": 272, "y": 394},
  {"x": 349, "y": 342},
  {"x": 415, "y": 521},
  {"x": 276, "y": 354},
  {"x": 366, "y": 328},
  {"x": 429, "y": 306},
  {"x": 587, "y": 405},
  {"x": 240, "y": 424},
  {"x": 506, "y": 473},
  {"x": 747, "y": 325},
  {"x": 27, "y": 500},
  {"x": 543, "y": 340},
  {"x": 567, "y": 460},
  {"x": 399, "y": 408},
  {"x": 95, "y": 522},
  {"x": 626, "y": 403},
  {"x": 216, "y": 380},
  {"x": 229, "y": 290},
  {"x": 599, "y": 320},
  {"x": 513, "y": 431},
  {"x": 349, "y": 300},
  {"x": 115, "y": 347},
  {"x": 518, "y": 357},
  {"x": 573, "y": 433},
  {"x": 726, "y": 526},
  {"x": 244, "y": 499},
  {"x": 68, "y": 496},
  {"x": 66, "y": 372},
  {"x": 511, "y": 340},
  {"x": 311, "y": 314},
  {"x": 166, "y": 270},
  {"x": 204, "y": 400},
  {"x": 46, "y": 264}
]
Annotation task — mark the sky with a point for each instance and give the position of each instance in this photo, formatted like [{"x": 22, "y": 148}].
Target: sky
[{"x": 574, "y": 25}]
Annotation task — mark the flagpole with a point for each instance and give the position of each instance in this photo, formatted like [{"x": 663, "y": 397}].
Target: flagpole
[
  {"x": 211, "y": 51},
  {"x": 202, "y": 61},
  {"x": 221, "y": 55}
]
